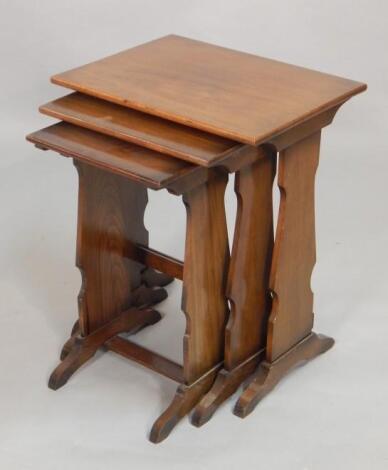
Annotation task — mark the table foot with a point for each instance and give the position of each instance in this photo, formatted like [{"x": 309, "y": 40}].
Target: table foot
[
  {"x": 152, "y": 278},
  {"x": 146, "y": 296},
  {"x": 269, "y": 374},
  {"x": 186, "y": 397},
  {"x": 70, "y": 343},
  {"x": 227, "y": 382},
  {"x": 143, "y": 297},
  {"x": 79, "y": 349}
]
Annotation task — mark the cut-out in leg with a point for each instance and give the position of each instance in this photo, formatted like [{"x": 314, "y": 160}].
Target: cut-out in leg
[
  {"x": 269, "y": 374},
  {"x": 203, "y": 301},
  {"x": 289, "y": 338},
  {"x": 248, "y": 281},
  {"x": 110, "y": 216},
  {"x": 81, "y": 349}
]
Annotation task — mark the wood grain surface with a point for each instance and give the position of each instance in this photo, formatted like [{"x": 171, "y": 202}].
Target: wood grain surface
[
  {"x": 204, "y": 277},
  {"x": 149, "y": 131},
  {"x": 110, "y": 215},
  {"x": 153, "y": 169},
  {"x": 292, "y": 317},
  {"x": 240, "y": 96}
]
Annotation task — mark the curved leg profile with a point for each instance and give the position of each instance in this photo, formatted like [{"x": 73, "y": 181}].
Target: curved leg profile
[
  {"x": 203, "y": 299},
  {"x": 227, "y": 382},
  {"x": 247, "y": 287},
  {"x": 186, "y": 397},
  {"x": 289, "y": 338},
  {"x": 269, "y": 374}
]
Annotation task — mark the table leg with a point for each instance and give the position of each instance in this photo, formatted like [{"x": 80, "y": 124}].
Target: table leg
[
  {"x": 289, "y": 339},
  {"x": 203, "y": 301},
  {"x": 247, "y": 284},
  {"x": 110, "y": 215}
]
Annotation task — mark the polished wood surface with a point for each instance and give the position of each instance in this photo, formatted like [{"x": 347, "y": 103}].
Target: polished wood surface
[
  {"x": 269, "y": 374},
  {"x": 204, "y": 277},
  {"x": 116, "y": 266},
  {"x": 110, "y": 215},
  {"x": 251, "y": 259},
  {"x": 229, "y": 93},
  {"x": 203, "y": 300},
  {"x": 289, "y": 339},
  {"x": 248, "y": 280},
  {"x": 292, "y": 315},
  {"x": 163, "y": 115},
  {"x": 186, "y": 397},
  {"x": 151, "y": 168},
  {"x": 140, "y": 128}
]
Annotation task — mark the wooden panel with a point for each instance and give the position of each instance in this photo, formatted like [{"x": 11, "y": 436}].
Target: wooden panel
[
  {"x": 110, "y": 213},
  {"x": 233, "y": 94},
  {"x": 146, "y": 358},
  {"x": 204, "y": 277},
  {"x": 291, "y": 318},
  {"x": 153, "y": 169},
  {"x": 143, "y": 129},
  {"x": 248, "y": 281}
]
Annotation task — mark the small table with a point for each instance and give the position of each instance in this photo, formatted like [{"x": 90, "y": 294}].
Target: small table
[{"x": 218, "y": 108}]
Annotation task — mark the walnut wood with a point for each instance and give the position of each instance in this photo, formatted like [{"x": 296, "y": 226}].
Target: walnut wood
[
  {"x": 225, "y": 385},
  {"x": 67, "y": 347},
  {"x": 289, "y": 339},
  {"x": 110, "y": 213},
  {"x": 156, "y": 260},
  {"x": 300, "y": 132},
  {"x": 245, "y": 156},
  {"x": 251, "y": 260},
  {"x": 186, "y": 397},
  {"x": 152, "y": 278},
  {"x": 145, "y": 297},
  {"x": 292, "y": 317},
  {"x": 146, "y": 358},
  {"x": 203, "y": 300},
  {"x": 145, "y": 166},
  {"x": 204, "y": 277},
  {"x": 248, "y": 279},
  {"x": 84, "y": 348},
  {"x": 149, "y": 131},
  {"x": 229, "y": 93},
  {"x": 269, "y": 374}
]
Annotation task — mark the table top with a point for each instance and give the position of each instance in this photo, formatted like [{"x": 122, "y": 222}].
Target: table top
[
  {"x": 140, "y": 164},
  {"x": 232, "y": 94},
  {"x": 170, "y": 138}
]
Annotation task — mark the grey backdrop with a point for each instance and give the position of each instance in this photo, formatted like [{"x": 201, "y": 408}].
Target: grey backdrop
[{"x": 331, "y": 414}]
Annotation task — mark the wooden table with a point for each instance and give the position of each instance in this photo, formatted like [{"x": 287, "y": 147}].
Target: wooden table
[{"x": 214, "y": 107}]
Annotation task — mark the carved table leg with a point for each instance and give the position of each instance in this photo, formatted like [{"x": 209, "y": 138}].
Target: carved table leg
[
  {"x": 82, "y": 348},
  {"x": 289, "y": 339},
  {"x": 110, "y": 216},
  {"x": 203, "y": 302},
  {"x": 247, "y": 284}
]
